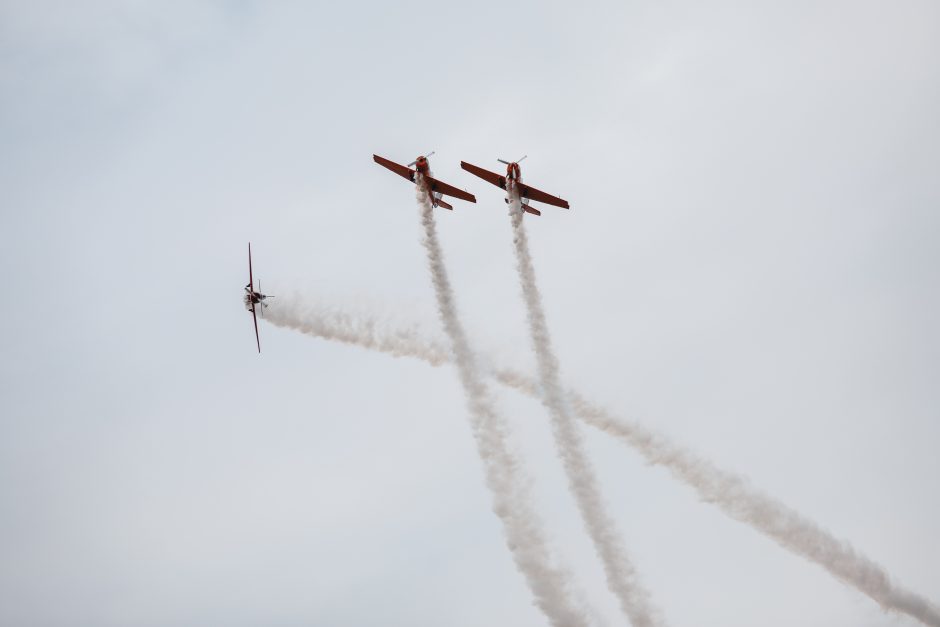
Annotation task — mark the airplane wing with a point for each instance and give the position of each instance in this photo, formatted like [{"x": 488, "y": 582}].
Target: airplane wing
[
  {"x": 533, "y": 194},
  {"x": 255, "y": 318},
  {"x": 251, "y": 282},
  {"x": 400, "y": 170},
  {"x": 486, "y": 175},
  {"x": 448, "y": 190}
]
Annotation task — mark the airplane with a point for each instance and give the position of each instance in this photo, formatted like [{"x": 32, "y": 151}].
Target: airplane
[
  {"x": 253, "y": 298},
  {"x": 434, "y": 188},
  {"x": 513, "y": 184}
]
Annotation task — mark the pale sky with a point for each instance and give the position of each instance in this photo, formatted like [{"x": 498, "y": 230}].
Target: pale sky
[{"x": 750, "y": 265}]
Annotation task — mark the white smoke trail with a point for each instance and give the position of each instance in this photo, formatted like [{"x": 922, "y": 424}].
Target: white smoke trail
[
  {"x": 622, "y": 578},
  {"x": 338, "y": 325},
  {"x": 512, "y": 503},
  {"x": 729, "y": 492},
  {"x": 790, "y": 529}
]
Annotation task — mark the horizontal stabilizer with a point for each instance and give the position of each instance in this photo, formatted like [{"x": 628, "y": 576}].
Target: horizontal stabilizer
[
  {"x": 445, "y": 205},
  {"x": 529, "y": 209}
]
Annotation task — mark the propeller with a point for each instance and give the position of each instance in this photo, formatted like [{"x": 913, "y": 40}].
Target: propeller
[
  {"x": 425, "y": 156},
  {"x": 262, "y": 297},
  {"x": 516, "y": 161}
]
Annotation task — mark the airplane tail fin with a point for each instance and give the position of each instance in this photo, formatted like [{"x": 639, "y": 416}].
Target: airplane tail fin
[{"x": 526, "y": 207}]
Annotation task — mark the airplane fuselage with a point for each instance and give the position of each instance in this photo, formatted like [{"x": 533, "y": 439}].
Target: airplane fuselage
[
  {"x": 423, "y": 166},
  {"x": 514, "y": 172},
  {"x": 513, "y": 179},
  {"x": 253, "y": 298}
]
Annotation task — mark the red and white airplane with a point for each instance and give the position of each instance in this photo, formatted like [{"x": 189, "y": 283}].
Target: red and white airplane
[
  {"x": 254, "y": 301},
  {"x": 432, "y": 186},
  {"x": 513, "y": 185}
]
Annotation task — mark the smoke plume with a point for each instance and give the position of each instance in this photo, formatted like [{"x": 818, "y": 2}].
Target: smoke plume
[
  {"x": 622, "y": 578},
  {"x": 729, "y": 492},
  {"x": 512, "y": 503},
  {"x": 788, "y": 528}
]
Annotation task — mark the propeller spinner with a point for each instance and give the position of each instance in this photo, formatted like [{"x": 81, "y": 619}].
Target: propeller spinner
[{"x": 416, "y": 160}]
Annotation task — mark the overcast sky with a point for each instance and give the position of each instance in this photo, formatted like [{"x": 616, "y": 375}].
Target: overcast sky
[{"x": 750, "y": 265}]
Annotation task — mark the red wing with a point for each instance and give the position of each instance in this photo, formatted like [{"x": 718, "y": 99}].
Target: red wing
[
  {"x": 486, "y": 175},
  {"x": 533, "y": 194},
  {"x": 400, "y": 170},
  {"x": 255, "y": 318},
  {"x": 443, "y": 188},
  {"x": 251, "y": 281}
]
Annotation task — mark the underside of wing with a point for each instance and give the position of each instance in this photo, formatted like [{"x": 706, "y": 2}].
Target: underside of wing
[
  {"x": 398, "y": 169},
  {"x": 533, "y": 194},
  {"x": 448, "y": 190},
  {"x": 486, "y": 175}
]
